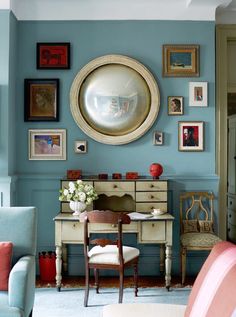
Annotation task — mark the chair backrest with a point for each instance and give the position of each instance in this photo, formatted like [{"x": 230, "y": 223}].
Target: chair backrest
[
  {"x": 196, "y": 206},
  {"x": 213, "y": 292},
  {"x": 116, "y": 219},
  {"x": 19, "y": 225}
]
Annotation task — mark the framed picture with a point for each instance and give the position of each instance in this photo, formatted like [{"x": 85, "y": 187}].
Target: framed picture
[
  {"x": 53, "y": 55},
  {"x": 80, "y": 147},
  {"x": 198, "y": 94},
  {"x": 158, "y": 138},
  {"x": 180, "y": 61},
  {"x": 41, "y": 99},
  {"x": 191, "y": 136},
  {"x": 175, "y": 105},
  {"x": 47, "y": 144}
]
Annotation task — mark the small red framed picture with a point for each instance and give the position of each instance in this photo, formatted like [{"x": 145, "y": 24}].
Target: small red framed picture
[
  {"x": 191, "y": 136},
  {"x": 53, "y": 55}
]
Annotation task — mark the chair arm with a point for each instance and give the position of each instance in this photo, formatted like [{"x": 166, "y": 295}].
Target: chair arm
[{"x": 21, "y": 285}]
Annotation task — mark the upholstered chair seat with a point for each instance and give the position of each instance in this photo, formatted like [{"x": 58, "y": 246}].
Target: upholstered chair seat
[
  {"x": 194, "y": 239},
  {"x": 110, "y": 254}
]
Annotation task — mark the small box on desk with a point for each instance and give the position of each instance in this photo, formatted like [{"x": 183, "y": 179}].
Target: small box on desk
[
  {"x": 74, "y": 174},
  {"x": 131, "y": 175}
]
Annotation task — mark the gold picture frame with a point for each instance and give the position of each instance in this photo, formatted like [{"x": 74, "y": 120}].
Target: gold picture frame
[{"x": 180, "y": 60}]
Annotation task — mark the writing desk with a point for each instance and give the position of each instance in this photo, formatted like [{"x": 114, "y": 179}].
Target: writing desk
[{"x": 155, "y": 230}]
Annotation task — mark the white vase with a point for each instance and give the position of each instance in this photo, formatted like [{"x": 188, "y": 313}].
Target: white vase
[{"x": 77, "y": 207}]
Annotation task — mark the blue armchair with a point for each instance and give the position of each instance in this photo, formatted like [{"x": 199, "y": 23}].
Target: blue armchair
[{"x": 19, "y": 225}]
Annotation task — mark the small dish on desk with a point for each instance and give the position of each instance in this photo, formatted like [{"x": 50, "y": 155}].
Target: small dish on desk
[{"x": 158, "y": 212}]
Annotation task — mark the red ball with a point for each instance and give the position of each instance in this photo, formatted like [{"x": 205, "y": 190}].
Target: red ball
[{"x": 155, "y": 170}]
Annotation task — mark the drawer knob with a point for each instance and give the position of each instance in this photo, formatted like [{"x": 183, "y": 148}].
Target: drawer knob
[
  {"x": 151, "y": 196},
  {"x": 153, "y": 225},
  {"x": 228, "y": 229},
  {"x": 114, "y": 186},
  {"x": 151, "y": 185},
  {"x": 230, "y": 202},
  {"x": 74, "y": 225},
  {"x": 230, "y": 216},
  {"x": 114, "y": 226}
]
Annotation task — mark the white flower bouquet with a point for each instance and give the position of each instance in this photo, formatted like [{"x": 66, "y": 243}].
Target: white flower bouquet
[{"x": 78, "y": 191}]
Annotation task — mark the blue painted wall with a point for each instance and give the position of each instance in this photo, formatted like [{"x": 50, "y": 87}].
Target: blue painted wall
[{"x": 38, "y": 181}]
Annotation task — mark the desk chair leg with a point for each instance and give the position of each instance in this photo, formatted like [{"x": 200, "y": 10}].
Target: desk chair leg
[
  {"x": 31, "y": 313},
  {"x": 121, "y": 285},
  {"x": 86, "y": 294},
  {"x": 183, "y": 264},
  {"x": 136, "y": 279},
  {"x": 96, "y": 276}
]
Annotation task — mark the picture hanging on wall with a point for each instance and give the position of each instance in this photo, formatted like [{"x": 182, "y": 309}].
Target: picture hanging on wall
[
  {"x": 81, "y": 147},
  {"x": 191, "y": 136},
  {"x": 175, "y": 106},
  {"x": 198, "y": 95},
  {"x": 47, "y": 144},
  {"x": 180, "y": 61},
  {"x": 158, "y": 138},
  {"x": 53, "y": 55},
  {"x": 41, "y": 99}
]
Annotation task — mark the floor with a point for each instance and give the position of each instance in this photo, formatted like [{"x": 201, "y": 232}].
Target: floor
[{"x": 144, "y": 281}]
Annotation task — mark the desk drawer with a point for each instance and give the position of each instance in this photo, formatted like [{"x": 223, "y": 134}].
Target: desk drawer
[
  {"x": 72, "y": 231},
  {"x": 114, "y": 186},
  {"x": 132, "y": 227},
  {"x": 148, "y": 207},
  {"x": 151, "y": 196},
  {"x": 152, "y": 232},
  {"x": 151, "y": 185}
]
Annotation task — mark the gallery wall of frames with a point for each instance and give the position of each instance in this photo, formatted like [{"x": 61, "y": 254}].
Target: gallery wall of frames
[{"x": 179, "y": 57}]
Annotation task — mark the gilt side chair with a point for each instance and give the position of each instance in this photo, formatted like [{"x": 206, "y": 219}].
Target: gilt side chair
[{"x": 196, "y": 225}]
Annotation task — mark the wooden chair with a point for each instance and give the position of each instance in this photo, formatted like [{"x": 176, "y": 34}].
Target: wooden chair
[
  {"x": 196, "y": 225},
  {"x": 108, "y": 254}
]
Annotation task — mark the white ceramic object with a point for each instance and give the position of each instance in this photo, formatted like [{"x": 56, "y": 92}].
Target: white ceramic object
[
  {"x": 77, "y": 207},
  {"x": 158, "y": 212}
]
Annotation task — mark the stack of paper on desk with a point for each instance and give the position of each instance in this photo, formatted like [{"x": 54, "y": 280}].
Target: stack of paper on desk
[{"x": 139, "y": 215}]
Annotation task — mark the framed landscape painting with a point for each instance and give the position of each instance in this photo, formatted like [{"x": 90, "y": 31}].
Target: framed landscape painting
[
  {"x": 180, "y": 61},
  {"x": 47, "y": 144},
  {"x": 191, "y": 136}
]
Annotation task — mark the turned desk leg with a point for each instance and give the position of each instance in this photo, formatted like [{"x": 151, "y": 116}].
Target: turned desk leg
[
  {"x": 162, "y": 258},
  {"x": 64, "y": 259},
  {"x": 168, "y": 266},
  {"x": 58, "y": 267}
]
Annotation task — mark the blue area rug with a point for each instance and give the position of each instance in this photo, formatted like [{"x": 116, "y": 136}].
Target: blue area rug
[{"x": 69, "y": 302}]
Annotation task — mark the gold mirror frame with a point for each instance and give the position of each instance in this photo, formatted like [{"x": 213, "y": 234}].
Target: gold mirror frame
[{"x": 90, "y": 127}]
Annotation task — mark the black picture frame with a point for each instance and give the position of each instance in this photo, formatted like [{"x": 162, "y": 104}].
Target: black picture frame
[
  {"x": 53, "y": 55},
  {"x": 41, "y": 99}
]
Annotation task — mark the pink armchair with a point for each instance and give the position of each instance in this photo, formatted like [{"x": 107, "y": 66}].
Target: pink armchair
[{"x": 213, "y": 293}]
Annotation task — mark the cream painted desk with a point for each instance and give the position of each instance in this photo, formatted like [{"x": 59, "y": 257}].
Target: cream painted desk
[{"x": 156, "y": 230}]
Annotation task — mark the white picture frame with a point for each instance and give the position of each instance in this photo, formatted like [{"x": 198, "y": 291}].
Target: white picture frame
[
  {"x": 47, "y": 144},
  {"x": 158, "y": 138},
  {"x": 198, "y": 94},
  {"x": 80, "y": 147}
]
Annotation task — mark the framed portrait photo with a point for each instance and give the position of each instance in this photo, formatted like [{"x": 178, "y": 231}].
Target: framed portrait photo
[
  {"x": 191, "y": 136},
  {"x": 198, "y": 94},
  {"x": 175, "y": 105},
  {"x": 180, "y": 60},
  {"x": 80, "y": 147},
  {"x": 53, "y": 55},
  {"x": 41, "y": 100},
  {"x": 158, "y": 138},
  {"x": 47, "y": 144}
]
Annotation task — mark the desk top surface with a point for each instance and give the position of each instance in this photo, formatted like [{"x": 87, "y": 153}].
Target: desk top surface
[{"x": 70, "y": 217}]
